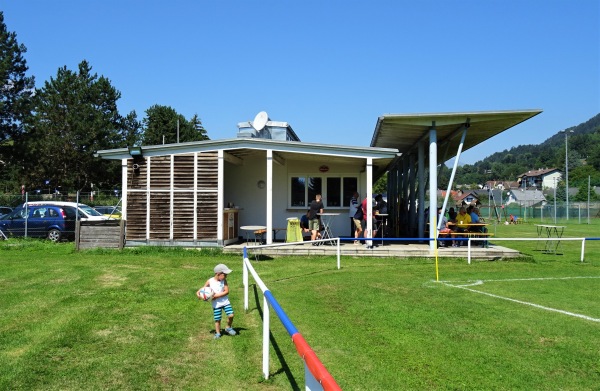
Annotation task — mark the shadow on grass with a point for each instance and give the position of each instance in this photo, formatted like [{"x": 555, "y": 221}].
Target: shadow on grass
[{"x": 284, "y": 366}]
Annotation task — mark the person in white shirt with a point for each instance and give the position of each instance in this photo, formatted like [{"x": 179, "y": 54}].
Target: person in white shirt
[{"x": 220, "y": 299}]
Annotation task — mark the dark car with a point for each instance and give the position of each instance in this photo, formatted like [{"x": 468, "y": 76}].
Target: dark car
[{"x": 43, "y": 221}]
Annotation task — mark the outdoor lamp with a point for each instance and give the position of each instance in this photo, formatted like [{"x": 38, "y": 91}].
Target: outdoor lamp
[{"x": 135, "y": 151}]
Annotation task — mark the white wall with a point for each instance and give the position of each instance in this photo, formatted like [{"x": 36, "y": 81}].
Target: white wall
[
  {"x": 551, "y": 180},
  {"x": 241, "y": 188}
]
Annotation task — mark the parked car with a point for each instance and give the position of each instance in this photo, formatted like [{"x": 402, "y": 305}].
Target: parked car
[
  {"x": 86, "y": 212},
  {"x": 55, "y": 222},
  {"x": 5, "y": 210},
  {"x": 111, "y": 212}
]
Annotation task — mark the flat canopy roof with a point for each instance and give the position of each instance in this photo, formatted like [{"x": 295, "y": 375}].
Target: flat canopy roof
[{"x": 404, "y": 131}]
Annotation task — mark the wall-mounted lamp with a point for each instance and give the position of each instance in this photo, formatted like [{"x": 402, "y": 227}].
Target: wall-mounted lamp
[{"x": 135, "y": 152}]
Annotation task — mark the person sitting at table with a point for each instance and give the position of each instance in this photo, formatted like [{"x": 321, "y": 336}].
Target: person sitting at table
[
  {"x": 476, "y": 219},
  {"x": 304, "y": 222},
  {"x": 314, "y": 222},
  {"x": 451, "y": 215},
  {"x": 380, "y": 208},
  {"x": 474, "y": 216},
  {"x": 462, "y": 224},
  {"x": 380, "y": 204}
]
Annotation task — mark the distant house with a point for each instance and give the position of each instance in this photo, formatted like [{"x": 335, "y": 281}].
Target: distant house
[
  {"x": 525, "y": 197},
  {"x": 500, "y": 185},
  {"x": 546, "y": 178},
  {"x": 466, "y": 198}
]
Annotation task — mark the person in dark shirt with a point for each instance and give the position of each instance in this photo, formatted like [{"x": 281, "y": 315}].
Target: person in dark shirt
[
  {"x": 314, "y": 223},
  {"x": 304, "y": 221}
]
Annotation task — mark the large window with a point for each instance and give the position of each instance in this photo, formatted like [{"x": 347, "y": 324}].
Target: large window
[
  {"x": 336, "y": 191},
  {"x": 298, "y": 191}
]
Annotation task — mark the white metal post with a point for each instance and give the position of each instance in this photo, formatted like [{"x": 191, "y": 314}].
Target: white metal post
[
  {"x": 220, "y": 194},
  {"x": 421, "y": 174},
  {"x": 432, "y": 184},
  {"x": 567, "y": 169},
  {"x": 245, "y": 282},
  {"x": 369, "y": 231},
  {"x": 555, "y": 201},
  {"x": 269, "y": 233},
  {"x": 338, "y": 254},
  {"x": 588, "y": 203},
  {"x": 266, "y": 332}
]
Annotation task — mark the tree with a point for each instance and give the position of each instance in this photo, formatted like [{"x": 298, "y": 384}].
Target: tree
[
  {"x": 132, "y": 130},
  {"x": 582, "y": 194},
  {"x": 75, "y": 115},
  {"x": 380, "y": 187},
  {"x": 161, "y": 124},
  {"x": 16, "y": 91}
]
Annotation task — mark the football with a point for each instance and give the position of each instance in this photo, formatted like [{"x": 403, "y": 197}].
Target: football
[{"x": 205, "y": 293}]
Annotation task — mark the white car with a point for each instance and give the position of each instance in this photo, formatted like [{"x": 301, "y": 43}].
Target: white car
[{"x": 86, "y": 212}]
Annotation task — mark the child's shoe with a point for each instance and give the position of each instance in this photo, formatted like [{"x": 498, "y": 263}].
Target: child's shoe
[
  {"x": 217, "y": 335},
  {"x": 230, "y": 331}
]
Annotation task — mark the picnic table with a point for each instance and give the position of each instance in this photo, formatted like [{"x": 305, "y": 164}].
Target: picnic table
[
  {"x": 473, "y": 230},
  {"x": 549, "y": 231}
]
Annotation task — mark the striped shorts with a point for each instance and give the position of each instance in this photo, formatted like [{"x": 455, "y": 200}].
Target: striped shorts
[{"x": 217, "y": 312}]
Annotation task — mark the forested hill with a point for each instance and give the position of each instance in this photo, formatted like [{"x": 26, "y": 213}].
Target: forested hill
[{"x": 584, "y": 158}]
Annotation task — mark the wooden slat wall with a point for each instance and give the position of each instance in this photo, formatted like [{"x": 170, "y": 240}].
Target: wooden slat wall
[
  {"x": 160, "y": 219},
  {"x": 207, "y": 196},
  {"x": 183, "y": 198},
  {"x": 104, "y": 234},
  {"x": 136, "y": 215}
]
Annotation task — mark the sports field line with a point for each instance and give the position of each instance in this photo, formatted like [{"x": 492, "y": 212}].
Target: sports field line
[{"x": 480, "y": 282}]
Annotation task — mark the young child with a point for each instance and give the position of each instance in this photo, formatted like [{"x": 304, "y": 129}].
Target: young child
[{"x": 220, "y": 301}]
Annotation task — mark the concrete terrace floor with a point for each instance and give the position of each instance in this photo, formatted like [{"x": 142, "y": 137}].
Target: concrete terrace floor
[{"x": 381, "y": 248}]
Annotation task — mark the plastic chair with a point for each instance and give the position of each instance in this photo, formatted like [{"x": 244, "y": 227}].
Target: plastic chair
[{"x": 293, "y": 232}]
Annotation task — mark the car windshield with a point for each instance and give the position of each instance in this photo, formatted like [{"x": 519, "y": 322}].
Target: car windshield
[{"x": 89, "y": 210}]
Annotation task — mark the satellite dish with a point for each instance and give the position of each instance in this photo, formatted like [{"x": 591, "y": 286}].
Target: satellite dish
[{"x": 260, "y": 121}]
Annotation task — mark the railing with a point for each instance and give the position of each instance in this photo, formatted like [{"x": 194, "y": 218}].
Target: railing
[
  {"x": 336, "y": 241},
  {"x": 529, "y": 239},
  {"x": 316, "y": 375}
]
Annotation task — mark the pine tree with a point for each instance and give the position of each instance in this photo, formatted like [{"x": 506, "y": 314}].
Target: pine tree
[
  {"x": 75, "y": 115},
  {"x": 16, "y": 91}
]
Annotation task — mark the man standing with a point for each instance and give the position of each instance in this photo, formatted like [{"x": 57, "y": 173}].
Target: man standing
[
  {"x": 354, "y": 205},
  {"x": 314, "y": 223}
]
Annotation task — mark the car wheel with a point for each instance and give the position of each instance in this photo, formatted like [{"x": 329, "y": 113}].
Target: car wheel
[{"x": 54, "y": 235}]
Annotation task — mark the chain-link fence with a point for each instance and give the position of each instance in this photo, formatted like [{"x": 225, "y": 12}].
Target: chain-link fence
[
  {"x": 578, "y": 212},
  {"x": 107, "y": 197}
]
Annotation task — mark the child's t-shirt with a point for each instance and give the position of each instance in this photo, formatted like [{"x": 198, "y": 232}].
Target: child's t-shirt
[{"x": 218, "y": 287}]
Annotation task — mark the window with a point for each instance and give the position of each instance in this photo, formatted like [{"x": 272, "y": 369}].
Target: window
[
  {"x": 315, "y": 187},
  {"x": 298, "y": 191},
  {"x": 336, "y": 191},
  {"x": 350, "y": 186}
]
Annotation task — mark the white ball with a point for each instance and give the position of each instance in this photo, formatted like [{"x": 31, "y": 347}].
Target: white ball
[{"x": 206, "y": 293}]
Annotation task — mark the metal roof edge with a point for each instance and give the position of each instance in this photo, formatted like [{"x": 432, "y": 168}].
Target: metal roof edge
[{"x": 239, "y": 143}]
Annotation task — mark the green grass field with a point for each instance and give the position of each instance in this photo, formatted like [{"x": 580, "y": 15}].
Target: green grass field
[{"x": 130, "y": 320}]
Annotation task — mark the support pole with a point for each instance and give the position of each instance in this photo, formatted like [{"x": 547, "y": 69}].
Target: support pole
[
  {"x": 454, "y": 168},
  {"x": 421, "y": 203},
  {"x": 432, "y": 184}
]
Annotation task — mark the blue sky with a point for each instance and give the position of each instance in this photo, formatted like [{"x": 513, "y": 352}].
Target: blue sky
[{"x": 329, "y": 68}]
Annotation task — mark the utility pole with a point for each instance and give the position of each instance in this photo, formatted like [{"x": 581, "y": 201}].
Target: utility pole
[{"x": 567, "y": 168}]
